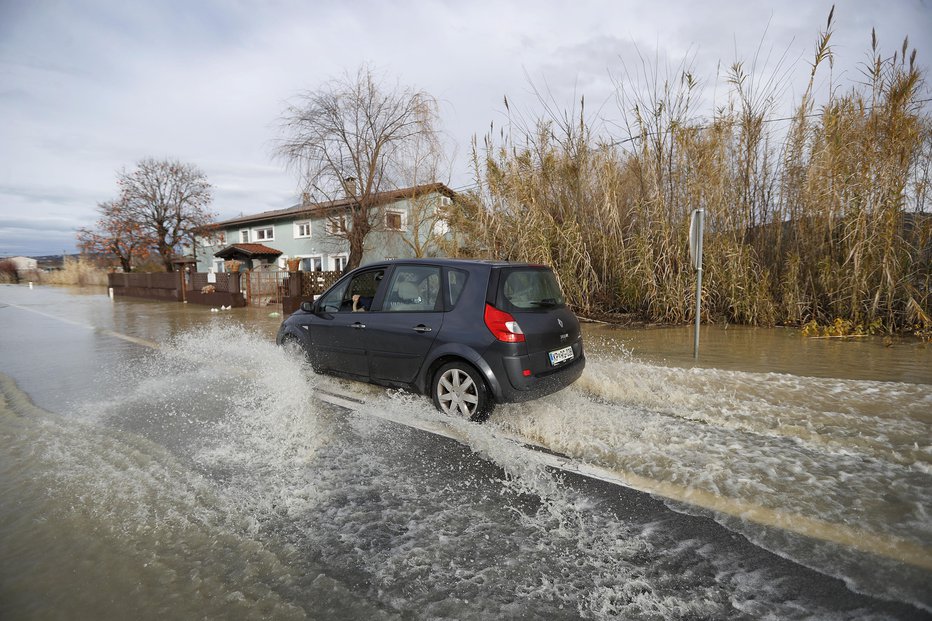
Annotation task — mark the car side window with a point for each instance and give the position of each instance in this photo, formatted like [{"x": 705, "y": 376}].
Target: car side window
[
  {"x": 413, "y": 288},
  {"x": 333, "y": 299},
  {"x": 456, "y": 282},
  {"x": 355, "y": 294}
]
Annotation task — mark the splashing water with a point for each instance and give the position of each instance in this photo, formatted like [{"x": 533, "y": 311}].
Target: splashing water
[{"x": 218, "y": 481}]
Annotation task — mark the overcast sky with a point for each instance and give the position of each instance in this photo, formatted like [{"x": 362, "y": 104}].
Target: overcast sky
[{"x": 90, "y": 87}]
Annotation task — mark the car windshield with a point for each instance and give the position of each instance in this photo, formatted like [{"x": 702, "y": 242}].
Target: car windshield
[{"x": 532, "y": 288}]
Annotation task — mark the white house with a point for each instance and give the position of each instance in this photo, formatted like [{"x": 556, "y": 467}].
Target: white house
[
  {"x": 24, "y": 264},
  {"x": 314, "y": 233}
]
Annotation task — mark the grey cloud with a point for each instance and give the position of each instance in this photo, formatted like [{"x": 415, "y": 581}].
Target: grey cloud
[
  {"x": 14, "y": 226},
  {"x": 50, "y": 194},
  {"x": 28, "y": 242}
]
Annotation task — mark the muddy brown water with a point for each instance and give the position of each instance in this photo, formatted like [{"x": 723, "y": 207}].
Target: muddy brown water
[{"x": 162, "y": 459}]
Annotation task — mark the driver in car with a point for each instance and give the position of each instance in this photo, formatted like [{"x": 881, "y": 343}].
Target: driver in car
[{"x": 361, "y": 303}]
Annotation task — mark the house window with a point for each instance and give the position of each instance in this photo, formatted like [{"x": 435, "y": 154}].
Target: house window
[
  {"x": 244, "y": 236},
  {"x": 393, "y": 220},
  {"x": 339, "y": 263},
  {"x": 337, "y": 225},
  {"x": 441, "y": 228},
  {"x": 265, "y": 234},
  {"x": 312, "y": 264},
  {"x": 302, "y": 229},
  {"x": 446, "y": 201}
]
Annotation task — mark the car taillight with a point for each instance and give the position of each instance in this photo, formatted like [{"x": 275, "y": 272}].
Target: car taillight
[{"x": 502, "y": 325}]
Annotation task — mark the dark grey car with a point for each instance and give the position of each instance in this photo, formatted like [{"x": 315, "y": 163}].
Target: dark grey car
[{"x": 468, "y": 333}]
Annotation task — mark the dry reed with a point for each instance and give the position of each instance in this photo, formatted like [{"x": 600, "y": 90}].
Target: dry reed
[
  {"x": 826, "y": 220},
  {"x": 81, "y": 272}
]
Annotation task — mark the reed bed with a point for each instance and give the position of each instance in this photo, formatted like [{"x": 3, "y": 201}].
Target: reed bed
[
  {"x": 80, "y": 271},
  {"x": 823, "y": 216}
]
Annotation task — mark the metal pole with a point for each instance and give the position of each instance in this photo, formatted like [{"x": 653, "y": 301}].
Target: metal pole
[{"x": 700, "y": 215}]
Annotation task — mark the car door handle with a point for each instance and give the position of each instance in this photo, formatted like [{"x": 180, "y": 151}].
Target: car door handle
[
  {"x": 422, "y": 328},
  {"x": 358, "y": 325}
]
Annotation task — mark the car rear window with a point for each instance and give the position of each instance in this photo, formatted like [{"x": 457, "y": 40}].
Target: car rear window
[{"x": 531, "y": 289}]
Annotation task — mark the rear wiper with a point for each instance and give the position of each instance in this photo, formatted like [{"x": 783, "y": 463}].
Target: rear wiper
[{"x": 545, "y": 302}]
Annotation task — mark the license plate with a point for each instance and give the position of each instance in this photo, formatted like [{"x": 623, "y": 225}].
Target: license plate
[{"x": 561, "y": 355}]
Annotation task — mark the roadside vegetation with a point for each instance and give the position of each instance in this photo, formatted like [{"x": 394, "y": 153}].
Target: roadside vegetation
[
  {"x": 81, "y": 271},
  {"x": 819, "y": 217}
]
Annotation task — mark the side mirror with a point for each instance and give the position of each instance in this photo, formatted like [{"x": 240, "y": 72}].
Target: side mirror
[{"x": 307, "y": 307}]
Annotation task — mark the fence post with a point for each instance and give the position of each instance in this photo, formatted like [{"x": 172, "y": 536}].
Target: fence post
[{"x": 695, "y": 254}]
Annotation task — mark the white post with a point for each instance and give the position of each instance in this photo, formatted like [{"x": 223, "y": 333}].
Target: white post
[
  {"x": 111, "y": 293},
  {"x": 695, "y": 253}
]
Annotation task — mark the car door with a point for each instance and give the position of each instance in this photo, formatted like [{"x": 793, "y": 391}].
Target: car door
[
  {"x": 338, "y": 334},
  {"x": 410, "y": 317}
]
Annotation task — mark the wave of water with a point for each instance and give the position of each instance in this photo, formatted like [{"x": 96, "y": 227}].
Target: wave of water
[
  {"x": 849, "y": 456},
  {"x": 218, "y": 481}
]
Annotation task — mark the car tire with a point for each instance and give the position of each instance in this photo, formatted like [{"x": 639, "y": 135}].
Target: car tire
[
  {"x": 459, "y": 390},
  {"x": 292, "y": 343}
]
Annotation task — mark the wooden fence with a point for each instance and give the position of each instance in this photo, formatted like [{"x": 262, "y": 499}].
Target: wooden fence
[
  {"x": 305, "y": 287},
  {"x": 286, "y": 288},
  {"x": 195, "y": 288},
  {"x": 237, "y": 289},
  {"x": 154, "y": 286},
  {"x": 225, "y": 290}
]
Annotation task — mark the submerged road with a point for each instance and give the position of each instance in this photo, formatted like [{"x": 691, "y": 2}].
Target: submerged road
[{"x": 254, "y": 488}]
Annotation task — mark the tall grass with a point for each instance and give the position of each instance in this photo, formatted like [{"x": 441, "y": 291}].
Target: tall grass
[
  {"x": 80, "y": 271},
  {"x": 825, "y": 219}
]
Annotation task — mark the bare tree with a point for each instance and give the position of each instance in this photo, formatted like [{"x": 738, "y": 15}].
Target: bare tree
[
  {"x": 351, "y": 136},
  {"x": 428, "y": 217},
  {"x": 169, "y": 201},
  {"x": 116, "y": 234}
]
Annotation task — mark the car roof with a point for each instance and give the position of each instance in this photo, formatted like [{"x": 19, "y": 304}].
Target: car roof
[{"x": 458, "y": 262}]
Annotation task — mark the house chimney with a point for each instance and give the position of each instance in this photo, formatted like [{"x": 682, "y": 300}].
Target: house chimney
[
  {"x": 349, "y": 186},
  {"x": 305, "y": 199}
]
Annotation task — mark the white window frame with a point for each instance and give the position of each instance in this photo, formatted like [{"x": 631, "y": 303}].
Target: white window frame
[
  {"x": 261, "y": 229},
  {"x": 244, "y": 236},
  {"x": 403, "y": 217},
  {"x": 333, "y": 230},
  {"x": 297, "y": 229},
  {"x": 315, "y": 257},
  {"x": 446, "y": 201},
  {"x": 337, "y": 259},
  {"x": 312, "y": 257},
  {"x": 218, "y": 266}
]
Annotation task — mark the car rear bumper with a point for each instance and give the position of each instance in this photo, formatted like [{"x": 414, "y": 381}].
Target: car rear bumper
[{"x": 520, "y": 387}]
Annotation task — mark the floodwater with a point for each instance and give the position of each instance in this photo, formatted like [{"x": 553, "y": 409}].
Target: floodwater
[{"x": 162, "y": 460}]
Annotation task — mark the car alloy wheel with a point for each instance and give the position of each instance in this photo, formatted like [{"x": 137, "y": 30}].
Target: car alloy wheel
[{"x": 460, "y": 391}]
